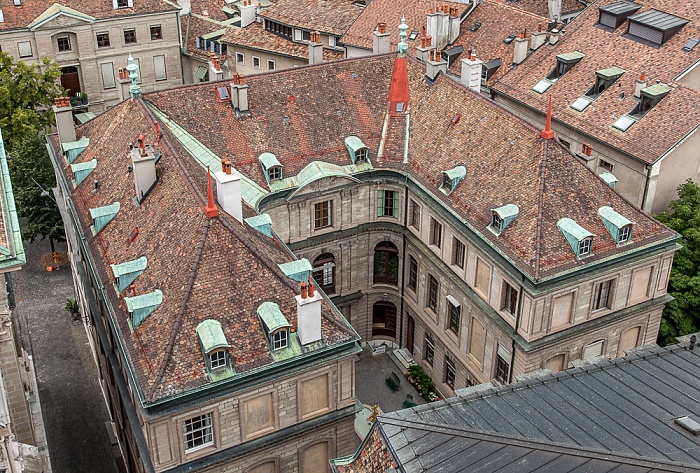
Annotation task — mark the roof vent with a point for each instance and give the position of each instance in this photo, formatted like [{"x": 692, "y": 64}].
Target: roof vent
[
  {"x": 609, "y": 179},
  {"x": 502, "y": 216},
  {"x": 451, "y": 178},
  {"x": 271, "y": 167},
  {"x": 101, "y": 216},
  {"x": 654, "y": 27},
  {"x": 580, "y": 240},
  {"x": 298, "y": 270},
  {"x": 126, "y": 273},
  {"x": 692, "y": 42},
  {"x": 82, "y": 170},
  {"x": 619, "y": 227},
  {"x": 689, "y": 424},
  {"x": 613, "y": 15},
  {"x": 140, "y": 307},
  {"x": 261, "y": 223},
  {"x": 357, "y": 149}
]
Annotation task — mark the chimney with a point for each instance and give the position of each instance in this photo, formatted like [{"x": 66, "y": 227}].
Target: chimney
[
  {"x": 538, "y": 38},
  {"x": 554, "y": 7},
  {"x": 435, "y": 64},
  {"x": 143, "y": 165},
  {"x": 239, "y": 94},
  {"x": 308, "y": 315},
  {"x": 520, "y": 48},
  {"x": 248, "y": 13},
  {"x": 640, "y": 84},
  {"x": 471, "y": 71},
  {"x": 423, "y": 50},
  {"x": 315, "y": 48},
  {"x": 228, "y": 190},
  {"x": 381, "y": 42},
  {"x": 453, "y": 25},
  {"x": 554, "y": 37},
  {"x": 64, "y": 119},
  {"x": 439, "y": 27}
]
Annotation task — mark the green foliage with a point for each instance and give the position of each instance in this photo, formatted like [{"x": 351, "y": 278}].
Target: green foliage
[
  {"x": 71, "y": 305},
  {"x": 682, "y": 315},
  {"x": 24, "y": 88},
  {"x": 422, "y": 382},
  {"x": 28, "y": 163}
]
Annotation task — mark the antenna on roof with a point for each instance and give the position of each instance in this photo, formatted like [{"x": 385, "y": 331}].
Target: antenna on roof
[{"x": 547, "y": 133}]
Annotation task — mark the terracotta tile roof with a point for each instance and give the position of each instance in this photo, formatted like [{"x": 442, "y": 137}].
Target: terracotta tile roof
[
  {"x": 541, "y": 8},
  {"x": 303, "y": 115},
  {"x": 213, "y": 8},
  {"x": 498, "y": 21},
  {"x": 208, "y": 268},
  {"x": 327, "y": 16},
  {"x": 254, "y": 36},
  {"x": 192, "y": 26},
  {"x": 373, "y": 457},
  {"x": 20, "y": 17},
  {"x": 676, "y": 114},
  {"x": 390, "y": 12}
]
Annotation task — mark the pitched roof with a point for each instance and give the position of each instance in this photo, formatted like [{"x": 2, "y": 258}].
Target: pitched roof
[
  {"x": 676, "y": 115},
  {"x": 498, "y": 21},
  {"x": 327, "y": 16},
  {"x": 22, "y": 16},
  {"x": 303, "y": 116},
  {"x": 194, "y": 26},
  {"x": 391, "y": 11},
  {"x": 207, "y": 269},
  {"x": 11, "y": 247},
  {"x": 598, "y": 417},
  {"x": 541, "y": 8}
]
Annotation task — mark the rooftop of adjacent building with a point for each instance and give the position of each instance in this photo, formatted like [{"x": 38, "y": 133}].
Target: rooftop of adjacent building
[
  {"x": 541, "y": 8},
  {"x": 327, "y": 16},
  {"x": 12, "y": 255}
]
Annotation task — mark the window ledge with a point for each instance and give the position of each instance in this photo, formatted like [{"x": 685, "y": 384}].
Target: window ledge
[
  {"x": 200, "y": 451},
  {"x": 384, "y": 284}
]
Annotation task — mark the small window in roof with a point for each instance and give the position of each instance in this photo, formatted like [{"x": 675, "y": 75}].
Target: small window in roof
[
  {"x": 565, "y": 62},
  {"x": 141, "y": 306},
  {"x": 649, "y": 98},
  {"x": 581, "y": 103},
  {"x": 624, "y": 122},
  {"x": 692, "y": 42},
  {"x": 357, "y": 149},
  {"x": 271, "y": 167},
  {"x": 619, "y": 227},
  {"x": 613, "y": 15},
  {"x": 604, "y": 79},
  {"x": 580, "y": 240},
  {"x": 275, "y": 325},
  {"x": 609, "y": 179},
  {"x": 215, "y": 349},
  {"x": 451, "y": 178},
  {"x": 509, "y": 39},
  {"x": 222, "y": 94},
  {"x": 126, "y": 273},
  {"x": 654, "y": 27},
  {"x": 502, "y": 216},
  {"x": 475, "y": 27},
  {"x": 413, "y": 35},
  {"x": 542, "y": 86},
  {"x": 101, "y": 216}
]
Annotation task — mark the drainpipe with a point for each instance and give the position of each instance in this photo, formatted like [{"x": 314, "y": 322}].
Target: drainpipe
[
  {"x": 517, "y": 324},
  {"x": 646, "y": 186},
  {"x": 403, "y": 262}
]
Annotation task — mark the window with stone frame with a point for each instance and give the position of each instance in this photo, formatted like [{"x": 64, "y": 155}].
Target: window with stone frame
[
  {"x": 453, "y": 312},
  {"x": 450, "y": 372},
  {"x": 156, "y": 32},
  {"x": 415, "y": 214},
  {"x": 387, "y": 203},
  {"x": 130, "y": 36},
  {"x": 509, "y": 298},
  {"x": 198, "y": 432},
  {"x": 429, "y": 350},
  {"x": 412, "y": 274},
  {"x": 502, "y": 364},
  {"x": 386, "y": 264},
  {"x": 458, "y": 252},
  {"x": 323, "y": 214},
  {"x": 432, "y": 293},
  {"x": 103, "y": 40},
  {"x": 63, "y": 43},
  {"x": 324, "y": 272},
  {"x": 435, "y": 232},
  {"x": 601, "y": 295},
  {"x": 217, "y": 359}
]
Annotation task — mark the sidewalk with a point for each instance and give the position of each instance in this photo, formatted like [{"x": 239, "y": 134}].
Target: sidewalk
[{"x": 71, "y": 400}]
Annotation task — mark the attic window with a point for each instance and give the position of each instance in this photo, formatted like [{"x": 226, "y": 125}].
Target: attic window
[
  {"x": 653, "y": 27},
  {"x": 613, "y": 15},
  {"x": 609, "y": 179},
  {"x": 222, "y": 94},
  {"x": 413, "y": 35},
  {"x": 141, "y": 306},
  {"x": 475, "y": 27},
  {"x": 564, "y": 63},
  {"x": 280, "y": 339},
  {"x": 271, "y": 167},
  {"x": 619, "y": 227},
  {"x": 502, "y": 216},
  {"x": 217, "y": 359},
  {"x": 451, "y": 178},
  {"x": 692, "y": 42},
  {"x": 357, "y": 149},
  {"x": 101, "y": 216},
  {"x": 81, "y": 170},
  {"x": 275, "y": 325},
  {"x": 509, "y": 39},
  {"x": 649, "y": 98},
  {"x": 604, "y": 79},
  {"x": 215, "y": 348},
  {"x": 126, "y": 273},
  {"x": 580, "y": 240}
]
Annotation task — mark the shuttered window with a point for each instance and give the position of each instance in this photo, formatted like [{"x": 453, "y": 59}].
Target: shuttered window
[
  {"x": 108, "y": 81},
  {"x": 628, "y": 340},
  {"x": 159, "y": 68},
  {"x": 607, "y": 19},
  {"x": 644, "y": 32},
  {"x": 561, "y": 310}
]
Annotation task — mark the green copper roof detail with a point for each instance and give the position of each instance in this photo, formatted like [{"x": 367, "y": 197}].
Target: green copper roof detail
[
  {"x": 403, "y": 46},
  {"x": 214, "y": 34},
  {"x": 451, "y": 178},
  {"x": 81, "y": 170},
  {"x": 142, "y": 306},
  {"x": 573, "y": 232},
  {"x": 299, "y": 270},
  {"x": 356, "y": 148},
  {"x": 73, "y": 148},
  {"x": 14, "y": 252},
  {"x": 211, "y": 335},
  {"x": 456, "y": 173},
  {"x": 574, "y": 56},
  {"x": 271, "y": 316},
  {"x": 101, "y": 216},
  {"x": 126, "y": 273},
  {"x": 261, "y": 223},
  {"x": 293, "y": 349},
  {"x": 656, "y": 90},
  {"x": 609, "y": 179},
  {"x": 610, "y": 72},
  {"x": 267, "y": 160},
  {"x": 614, "y": 222}
]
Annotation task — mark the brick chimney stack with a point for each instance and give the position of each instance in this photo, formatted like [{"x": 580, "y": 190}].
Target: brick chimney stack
[{"x": 63, "y": 111}]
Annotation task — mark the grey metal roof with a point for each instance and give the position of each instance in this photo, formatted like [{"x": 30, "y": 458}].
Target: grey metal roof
[
  {"x": 624, "y": 407},
  {"x": 621, "y": 7},
  {"x": 658, "y": 19}
]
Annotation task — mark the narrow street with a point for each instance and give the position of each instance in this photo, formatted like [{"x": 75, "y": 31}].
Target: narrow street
[{"x": 75, "y": 414}]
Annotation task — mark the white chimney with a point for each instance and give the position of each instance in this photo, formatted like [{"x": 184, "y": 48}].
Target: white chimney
[
  {"x": 63, "y": 111},
  {"x": 471, "y": 72},
  {"x": 215, "y": 65},
  {"x": 315, "y": 48},
  {"x": 228, "y": 190},
  {"x": 454, "y": 23},
  {"x": 439, "y": 27},
  {"x": 239, "y": 93},
  {"x": 381, "y": 42},
  {"x": 143, "y": 167},
  {"x": 248, "y": 13},
  {"x": 554, "y": 37},
  {"x": 538, "y": 38},
  {"x": 434, "y": 65},
  {"x": 308, "y": 315},
  {"x": 639, "y": 84},
  {"x": 520, "y": 46}
]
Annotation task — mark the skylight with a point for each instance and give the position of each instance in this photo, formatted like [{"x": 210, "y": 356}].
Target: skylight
[
  {"x": 475, "y": 27},
  {"x": 624, "y": 122},
  {"x": 542, "y": 86},
  {"x": 222, "y": 94},
  {"x": 581, "y": 103},
  {"x": 413, "y": 35},
  {"x": 509, "y": 39},
  {"x": 692, "y": 42}
]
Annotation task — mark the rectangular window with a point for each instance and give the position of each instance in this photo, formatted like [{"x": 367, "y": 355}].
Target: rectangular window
[
  {"x": 584, "y": 246},
  {"x": 256, "y": 62},
  {"x": 457, "y": 253},
  {"x": 159, "y": 68},
  {"x": 279, "y": 340},
  {"x": 605, "y": 165},
  {"x": 122, "y": 4},
  {"x": 412, "y": 274},
  {"x": 331, "y": 41},
  {"x": 435, "y": 232},
  {"x": 601, "y": 295},
  {"x": 454, "y": 313},
  {"x": 429, "y": 350},
  {"x": 450, "y": 372},
  {"x": 217, "y": 359},
  {"x": 415, "y": 215},
  {"x": 624, "y": 234},
  {"x": 387, "y": 204},
  {"x": 592, "y": 349},
  {"x": 270, "y": 65},
  {"x": 25, "y": 49},
  {"x": 502, "y": 364},
  {"x": 297, "y": 35},
  {"x": 107, "y": 70},
  {"x": 240, "y": 59},
  {"x": 130, "y": 36},
  {"x": 323, "y": 214},
  {"x": 432, "y": 293},
  {"x": 510, "y": 298},
  {"x": 102, "y": 40},
  {"x": 565, "y": 143},
  {"x": 63, "y": 43},
  {"x": 156, "y": 33},
  {"x": 198, "y": 432},
  {"x": 483, "y": 276}
]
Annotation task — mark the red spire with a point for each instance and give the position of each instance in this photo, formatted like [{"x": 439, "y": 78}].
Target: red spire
[
  {"x": 210, "y": 209},
  {"x": 398, "y": 90},
  {"x": 547, "y": 133}
]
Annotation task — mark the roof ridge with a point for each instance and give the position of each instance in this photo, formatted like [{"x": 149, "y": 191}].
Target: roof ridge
[
  {"x": 514, "y": 9},
  {"x": 540, "y": 207}
]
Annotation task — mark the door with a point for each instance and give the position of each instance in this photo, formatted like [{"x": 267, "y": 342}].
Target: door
[
  {"x": 410, "y": 327},
  {"x": 70, "y": 80}
]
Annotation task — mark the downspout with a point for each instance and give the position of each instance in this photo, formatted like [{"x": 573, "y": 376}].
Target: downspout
[
  {"x": 646, "y": 186},
  {"x": 515, "y": 332},
  {"x": 403, "y": 262}
]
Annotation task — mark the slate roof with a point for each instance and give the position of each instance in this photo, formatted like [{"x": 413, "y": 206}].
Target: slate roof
[
  {"x": 303, "y": 115},
  {"x": 206, "y": 268},
  {"x": 498, "y": 21},
  {"x": 21, "y": 16},
  {"x": 616, "y": 415},
  {"x": 391, "y": 12},
  {"x": 327, "y": 16},
  {"x": 661, "y": 128}
]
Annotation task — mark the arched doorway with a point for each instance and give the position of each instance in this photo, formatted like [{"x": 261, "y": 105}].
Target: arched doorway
[
  {"x": 386, "y": 263},
  {"x": 384, "y": 319},
  {"x": 70, "y": 80}
]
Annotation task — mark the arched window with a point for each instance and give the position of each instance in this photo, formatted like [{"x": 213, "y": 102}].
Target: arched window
[
  {"x": 386, "y": 263},
  {"x": 384, "y": 319},
  {"x": 324, "y": 272}
]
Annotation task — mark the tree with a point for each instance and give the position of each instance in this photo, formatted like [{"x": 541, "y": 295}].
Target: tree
[
  {"x": 682, "y": 315},
  {"x": 32, "y": 174},
  {"x": 24, "y": 88}
]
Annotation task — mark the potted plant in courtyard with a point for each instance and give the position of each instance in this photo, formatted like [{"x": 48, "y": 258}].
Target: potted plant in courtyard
[{"x": 72, "y": 307}]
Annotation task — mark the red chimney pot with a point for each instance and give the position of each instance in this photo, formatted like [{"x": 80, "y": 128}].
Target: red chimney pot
[
  {"x": 311, "y": 289},
  {"x": 210, "y": 210},
  {"x": 302, "y": 286}
]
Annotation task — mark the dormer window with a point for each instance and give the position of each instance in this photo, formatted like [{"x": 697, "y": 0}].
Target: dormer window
[
  {"x": 451, "y": 178},
  {"x": 280, "y": 339},
  {"x": 585, "y": 246},
  {"x": 580, "y": 240},
  {"x": 619, "y": 227},
  {"x": 276, "y": 328},
  {"x": 613, "y": 15},
  {"x": 274, "y": 173},
  {"x": 624, "y": 234},
  {"x": 271, "y": 167},
  {"x": 215, "y": 349},
  {"x": 502, "y": 216},
  {"x": 359, "y": 153},
  {"x": 117, "y": 4},
  {"x": 648, "y": 99},
  {"x": 101, "y": 216},
  {"x": 217, "y": 359},
  {"x": 653, "y": 27},
  {"x": 564, "y": 63},
  {"x": 496, "y": 222},
  {"x": 604, "y": 79}
]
